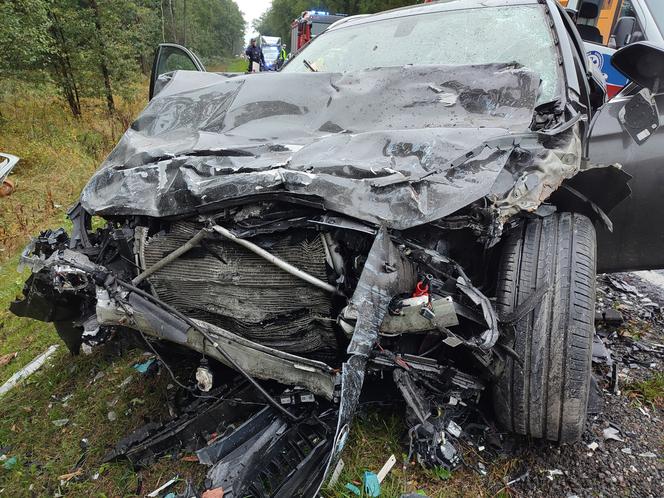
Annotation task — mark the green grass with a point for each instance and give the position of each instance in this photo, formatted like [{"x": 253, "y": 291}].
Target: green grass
[
  {"x": 234, "y": 65},
  {"x": 650, "y": 391}
]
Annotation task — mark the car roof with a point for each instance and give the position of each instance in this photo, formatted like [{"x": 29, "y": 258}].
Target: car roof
[{"x": 427, "y": 8}]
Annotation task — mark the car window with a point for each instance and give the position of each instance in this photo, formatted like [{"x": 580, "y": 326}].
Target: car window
[
  {"x": 627, "y": 10},
  {"x": 173, "y": 59},
  {"x": 471, "y": 36}
]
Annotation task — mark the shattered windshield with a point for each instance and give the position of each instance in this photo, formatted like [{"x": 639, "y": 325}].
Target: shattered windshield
[{"x": 470, "y": 36}]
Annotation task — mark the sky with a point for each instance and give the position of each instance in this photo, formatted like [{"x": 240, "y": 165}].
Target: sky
[{"x": 252, "y": 9}]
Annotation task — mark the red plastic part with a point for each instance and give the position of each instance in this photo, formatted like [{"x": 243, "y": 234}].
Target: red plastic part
[{"x": 421, "y": 290}]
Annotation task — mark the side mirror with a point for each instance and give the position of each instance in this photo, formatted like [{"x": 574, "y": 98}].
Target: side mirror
[
  {"x": 622, "y": 33},
  {"x": 643, "y": 63}
]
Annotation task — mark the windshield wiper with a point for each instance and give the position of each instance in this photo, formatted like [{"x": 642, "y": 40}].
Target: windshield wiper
[{"x": 310, "y": 67}]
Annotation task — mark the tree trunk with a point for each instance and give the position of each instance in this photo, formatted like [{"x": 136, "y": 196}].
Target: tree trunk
[
  {"x": 61, "y": 66},
  {"x": 102, "y": 58},
  {"x": 163, "y": 30},
  {"x": 173, "y": 23},
  {"x": 184, "y": 23}
]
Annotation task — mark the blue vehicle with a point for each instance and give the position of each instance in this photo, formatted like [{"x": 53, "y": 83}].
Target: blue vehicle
[
  {"x": 270, "y": 45},
  {"x": 271, "y": 54}
]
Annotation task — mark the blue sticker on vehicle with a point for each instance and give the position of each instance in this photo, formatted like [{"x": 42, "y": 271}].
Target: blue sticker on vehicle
[{"x": 601, "y": 58}]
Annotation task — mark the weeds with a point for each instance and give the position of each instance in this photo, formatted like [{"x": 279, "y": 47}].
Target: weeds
[
  {"x": 58, "y": 154},
  {"x": 649, "y": 391}
]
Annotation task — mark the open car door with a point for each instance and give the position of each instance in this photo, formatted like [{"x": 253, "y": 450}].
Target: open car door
[
  {"x": 627, "y": 132},
  {"x": 170, "y": 57}
]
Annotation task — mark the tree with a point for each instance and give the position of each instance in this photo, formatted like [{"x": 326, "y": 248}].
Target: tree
[{"x": 97, "y": 48}]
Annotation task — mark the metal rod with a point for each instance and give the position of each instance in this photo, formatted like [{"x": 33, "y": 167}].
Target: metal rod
[
  {"x": 274, "y": 403},
  {"x": 287, "y": 267},
  {"x": 187, "y": 246}
]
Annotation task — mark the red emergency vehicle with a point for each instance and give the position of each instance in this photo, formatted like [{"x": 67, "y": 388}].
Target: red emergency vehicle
[{"x": 309, "y": 25}]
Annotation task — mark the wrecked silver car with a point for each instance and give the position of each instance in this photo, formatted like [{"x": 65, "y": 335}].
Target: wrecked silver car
[{"x": 408, "y": 200}]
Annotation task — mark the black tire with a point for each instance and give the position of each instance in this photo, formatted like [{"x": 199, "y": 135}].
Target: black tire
[{"x": 547, "y": 397}]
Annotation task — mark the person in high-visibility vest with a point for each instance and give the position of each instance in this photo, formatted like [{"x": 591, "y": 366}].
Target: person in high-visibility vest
[{"x": 283, "y": 56}]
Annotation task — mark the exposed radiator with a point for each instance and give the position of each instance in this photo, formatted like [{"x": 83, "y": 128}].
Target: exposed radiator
[{"x": 229, "y": 286}]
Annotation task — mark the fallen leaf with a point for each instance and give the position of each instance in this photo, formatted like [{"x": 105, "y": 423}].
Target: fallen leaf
[
  {"x": 70, "y": 476},
  {"x": 5, "y": 359}
]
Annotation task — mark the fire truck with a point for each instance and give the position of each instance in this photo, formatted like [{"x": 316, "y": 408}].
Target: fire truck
[{"x": 309, "y": 25}]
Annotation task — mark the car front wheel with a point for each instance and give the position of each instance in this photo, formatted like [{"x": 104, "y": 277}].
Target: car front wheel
[{"x": 546, "y": 294}]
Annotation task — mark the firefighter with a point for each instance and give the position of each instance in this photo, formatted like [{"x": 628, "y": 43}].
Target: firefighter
[
  {"x": 254, "y": 54},
  {"x": 283, "y": 56}
]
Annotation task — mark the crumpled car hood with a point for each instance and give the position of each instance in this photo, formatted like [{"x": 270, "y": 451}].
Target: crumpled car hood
[{"x": 386, "y": 146}]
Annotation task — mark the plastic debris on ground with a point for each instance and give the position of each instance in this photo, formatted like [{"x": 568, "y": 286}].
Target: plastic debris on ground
[
  {"x": 371, "y": 484},
  {"x": 28, "y": 370},
  {"x": 61, "y": 422},
  {"x": 336, "y": 473},
  {"x": 145, "y": 366},
  {"x": 611, "y": 433},
  {"x": 163, "y": 487},
  {"x": 353, "y": 489},
  {"x": 10, "y": 463},
  {"x": 554, "y": 472},
  {"x": 622, "y": 286},
  {"x": 387, "y": 466}
]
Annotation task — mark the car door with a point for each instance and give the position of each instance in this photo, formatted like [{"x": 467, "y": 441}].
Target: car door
[
  {"x": 637, "y": 241},
  {"x": 170, "y": 57}
]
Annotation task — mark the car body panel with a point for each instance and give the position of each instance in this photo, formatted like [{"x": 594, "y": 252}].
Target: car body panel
[
  {"x": 637, "y": 241},
  {"x": 7, "y": 164}
]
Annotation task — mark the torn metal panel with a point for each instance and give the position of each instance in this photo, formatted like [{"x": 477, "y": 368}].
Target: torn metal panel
[
  {"x": 537, "y": 172},
  {"x": 386, "y": 273},
  {"x": 207, "y": 138}
]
